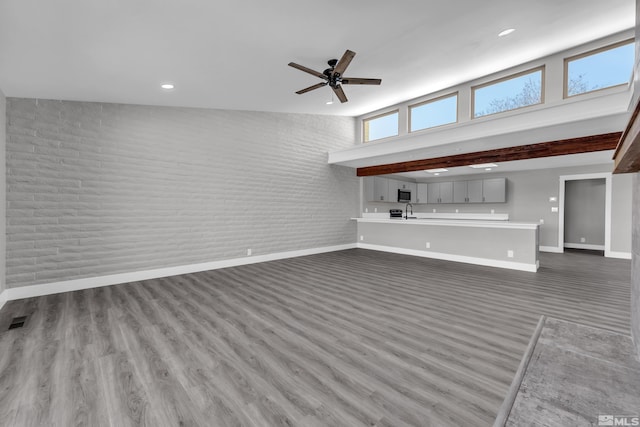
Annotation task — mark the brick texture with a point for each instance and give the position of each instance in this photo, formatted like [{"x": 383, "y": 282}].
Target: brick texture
[{"x": 96, "y": 189}]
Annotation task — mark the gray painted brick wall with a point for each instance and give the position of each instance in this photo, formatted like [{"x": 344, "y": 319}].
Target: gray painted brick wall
[{"x": 96, "y": 189}]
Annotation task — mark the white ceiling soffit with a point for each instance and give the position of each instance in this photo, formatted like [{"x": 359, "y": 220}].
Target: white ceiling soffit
[
  {"x": 234, "y": 55},
  {"x": 563, "y": 120}
]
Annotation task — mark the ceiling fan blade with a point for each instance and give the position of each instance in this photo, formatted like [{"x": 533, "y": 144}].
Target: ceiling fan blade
[
  {"x": 340, "y": 93},
  {"x": 344, "y": 62},
  {"x": 307, "y": 70},
  {"x": 310, "y": 88},
  {"x": 358, "y": 81}
]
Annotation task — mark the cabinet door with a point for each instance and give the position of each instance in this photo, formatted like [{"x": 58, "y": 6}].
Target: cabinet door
[
  {"x": 446, "y": 192},
  {"x": 460, "y": 192},
  {"x": 474, "y": 191},
  {"x": 413, "y": 187},
  {"x": 494, "y": 190},
  {"x": 421, "y": 194},
  {"x": 380, "y": 189},
  {"x": 369, "y": 195},
  {"x": 433, "y": 192},
  {"x": 393, "y": 190}
]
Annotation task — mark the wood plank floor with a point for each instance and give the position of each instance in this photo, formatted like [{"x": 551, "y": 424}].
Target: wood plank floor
[{"x": 350, "y": 338}]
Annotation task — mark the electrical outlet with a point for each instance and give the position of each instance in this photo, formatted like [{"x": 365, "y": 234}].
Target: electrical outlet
[
  {"x": 428, "y": 245},
  {"x": 554, "y": 209},
  {"x": 248, "y": 252},
  {"x": 366, "y": 210},
  {"x": 457, "y": 211},
  {"x": 541, "y": 221},
  {"x": 434, "y": 211},
  {"x": 493, "y": 211},
  {"x": 510, "y": 253},
  {"x": 375, "y": 210},
  {"x": 361, "y": 238},
  {"x": 582, "y": 240}
]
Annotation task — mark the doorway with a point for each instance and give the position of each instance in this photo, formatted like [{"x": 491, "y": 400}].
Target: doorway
[{"x": 585, "y": 212}]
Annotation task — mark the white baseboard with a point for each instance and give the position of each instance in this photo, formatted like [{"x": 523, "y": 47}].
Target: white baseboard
[
  {"x": 553, "y": 249},
  {"x": 450, "y": 257},
  {"x": 584, "y": 246},
  {"x": 135, "y": 276},
  {"x": 621, "y": 255},
  {"x": 608, "y": 254}
]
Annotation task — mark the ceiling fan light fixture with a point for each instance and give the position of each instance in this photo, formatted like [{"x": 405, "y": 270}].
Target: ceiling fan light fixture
[
  {"x": 330, "y": 102},
  {"x": 334, "y": 76}
]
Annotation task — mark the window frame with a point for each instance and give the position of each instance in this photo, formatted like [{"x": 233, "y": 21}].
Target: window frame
[
  {"x": 541, "y": 68},
  {"x": 378, "y": 116},
  {"x": 567, "y": 60},
  {"x": 430, "y": 101}
]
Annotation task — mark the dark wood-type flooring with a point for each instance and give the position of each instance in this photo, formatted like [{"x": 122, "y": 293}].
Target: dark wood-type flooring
[{"x": 350, "y": 338}]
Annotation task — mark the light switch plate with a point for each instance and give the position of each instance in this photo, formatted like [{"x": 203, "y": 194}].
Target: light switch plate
[
  {"x": 553, "y": 199},
  {"x": 554, "y": 209}
]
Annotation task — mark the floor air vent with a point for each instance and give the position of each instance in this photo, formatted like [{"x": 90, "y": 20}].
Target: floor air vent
[{"x": 17, "y": 322}]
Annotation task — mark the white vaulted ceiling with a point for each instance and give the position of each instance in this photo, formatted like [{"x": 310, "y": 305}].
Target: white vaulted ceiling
[{"x": 234, "y": 54}]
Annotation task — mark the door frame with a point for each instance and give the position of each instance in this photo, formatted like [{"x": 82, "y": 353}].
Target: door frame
[{"x": 607, "y": 207}]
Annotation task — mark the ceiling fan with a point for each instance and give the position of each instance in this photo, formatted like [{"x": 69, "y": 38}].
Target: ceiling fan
[{"x": 333, "y": 76}]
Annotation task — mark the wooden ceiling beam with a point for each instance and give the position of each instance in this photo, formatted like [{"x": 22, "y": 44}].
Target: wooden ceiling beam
[
  {"x": 585, "y": 144},
  {"x": 627, "y": 155}
]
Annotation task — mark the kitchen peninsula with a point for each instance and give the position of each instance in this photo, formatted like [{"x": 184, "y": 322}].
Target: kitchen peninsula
[{"x": 483, "y": 239}]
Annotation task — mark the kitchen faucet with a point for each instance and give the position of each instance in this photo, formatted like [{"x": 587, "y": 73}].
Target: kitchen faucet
[{"x": 406, "y": 210}]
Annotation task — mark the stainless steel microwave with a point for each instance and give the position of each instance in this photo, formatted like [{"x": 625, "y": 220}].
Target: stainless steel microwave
[{"x": 404, "y": 196}]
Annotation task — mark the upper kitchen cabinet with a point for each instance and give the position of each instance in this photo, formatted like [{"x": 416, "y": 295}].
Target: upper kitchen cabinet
[
  {"x": 376, "y": 189},
  {"x": 392, "y": 190},
  {"x": 440, "y": 192},
  {"x": 468, "y": 191},
  {"x": 421, "y": 192},
  {"x": 494, "y": 190}
]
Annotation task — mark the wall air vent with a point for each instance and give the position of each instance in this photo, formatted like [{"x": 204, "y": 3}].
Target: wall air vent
[{"x": 17, "y": 322}]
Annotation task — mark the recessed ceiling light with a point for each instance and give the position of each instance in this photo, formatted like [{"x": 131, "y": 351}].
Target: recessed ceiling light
[
  {"x": 329, "y": 102},
  {"x": 437, "y": 173},
  {"x": 167, "y": 86},
  {"x": 506, "y": 32},
  {"x": 436, "y": 170},
  {"x": 484, "y": 165},
  {"x": 487, "y": 169}
]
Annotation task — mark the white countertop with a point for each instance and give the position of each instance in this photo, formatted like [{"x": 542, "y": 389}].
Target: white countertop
[
  {"x": 452, "y": 222},
  {"x": 484, "y": 216}
]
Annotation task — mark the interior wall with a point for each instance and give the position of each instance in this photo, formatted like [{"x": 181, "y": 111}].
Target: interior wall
[
  {"x": 621, "y": 210},
  {"x": 635, "y": 270},
  {"x": 96, "y": 189},
  {"x": 584, "y": 211},
  {"x": 3, "y": 196},
  {"x": 528, "y": 200}
]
